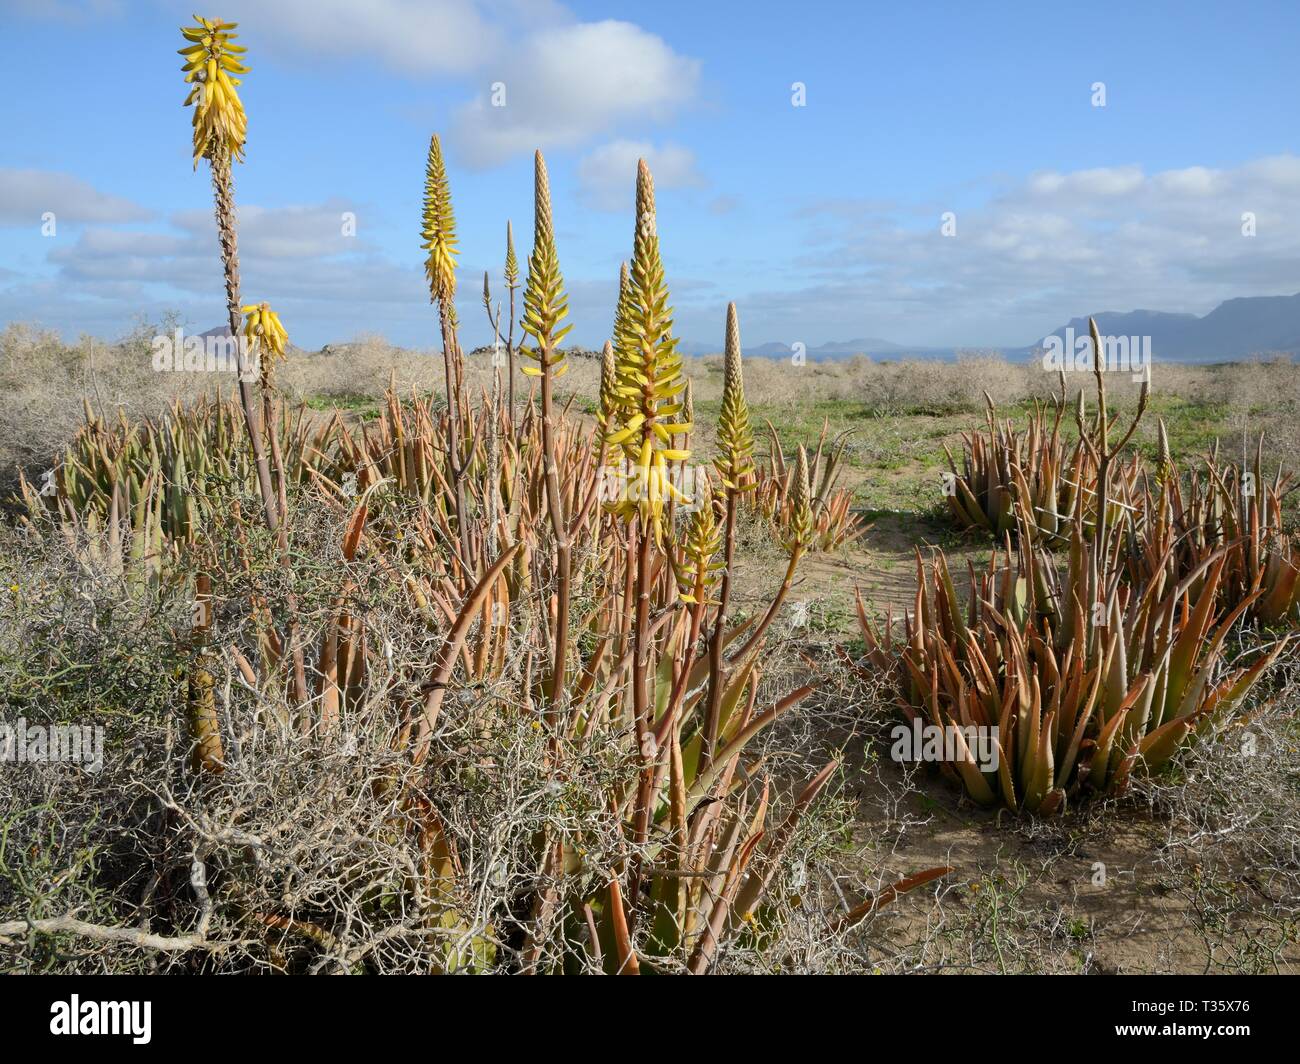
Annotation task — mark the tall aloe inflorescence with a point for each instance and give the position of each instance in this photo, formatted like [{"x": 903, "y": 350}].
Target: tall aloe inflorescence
[
  {"x": 512, "y": 285},
  {"x": 220, "y": 129},
  {"x": 439, "y": 229},
  {"x": 735, "y": 467},
  {"x": 438, "y": 239},
  {"x": 649, "y": 377},
  {"x": 545, "y": 307},
  {"x": 648, "y": 380}
]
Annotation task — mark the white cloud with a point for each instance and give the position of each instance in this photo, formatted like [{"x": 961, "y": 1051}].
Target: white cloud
[
  {"x": 1102, "y": 182},
  {"x": 1191, "y": 182},
  {"x": 411, "y": 36},
  {"x": 27, "y": 194},
  {"x": 1050, "y": 247},
  {"x": 295, "y": 232},
  {"x": 567, "y": 84},
  {"x": 296, "y": 257},
  {"x": 607, "y": 176},
  {"x": 566, "y": 81}
]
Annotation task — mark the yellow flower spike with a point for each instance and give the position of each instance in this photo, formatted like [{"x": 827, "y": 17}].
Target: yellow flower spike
[
  {"x": 735, "y": 461},
  {"x": 264, "y": 335},
  {"x": 647, "y": 372},
  {"x": 512, "y": 263},
  {"x": 545, "y": 303},
  {"x": 438, "y": 232},
  {"x": 220, "y": 124},
  {"x": 608, "y": 385},
  {"x": 699, "y": 568},
  {"x": 802, "y": 525},
  {"x": 622, "y": 310}
]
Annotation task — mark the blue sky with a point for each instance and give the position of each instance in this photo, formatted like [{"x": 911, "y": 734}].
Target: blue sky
[{"x": 822, "y": 221}]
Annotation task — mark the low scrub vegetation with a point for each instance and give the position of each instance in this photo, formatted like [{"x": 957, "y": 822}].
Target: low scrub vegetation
[{"x": 400, "y": 662}]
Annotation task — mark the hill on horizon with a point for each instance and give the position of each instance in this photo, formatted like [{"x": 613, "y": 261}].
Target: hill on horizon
[{"x": 1235, "y": 329}]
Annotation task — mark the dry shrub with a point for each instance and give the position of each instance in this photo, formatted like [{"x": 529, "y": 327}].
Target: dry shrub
[{"x": 295, "y": 858}]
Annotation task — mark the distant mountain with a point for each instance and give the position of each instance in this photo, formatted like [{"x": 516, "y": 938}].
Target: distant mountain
[
  {"x": 1235, "y": 329},
  {"x": 848, "y": 348}
]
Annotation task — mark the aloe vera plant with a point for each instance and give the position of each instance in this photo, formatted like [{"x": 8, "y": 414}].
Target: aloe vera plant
[
  {"x": 170, "y": 469},
  {"x": 1031, "y": 482},
  {"x": 1080, "y": 694},
  {"x": 835, "y": 523},
  {"x": 1231, "y": 508},
  {"x": 1079, "y": 676}
]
